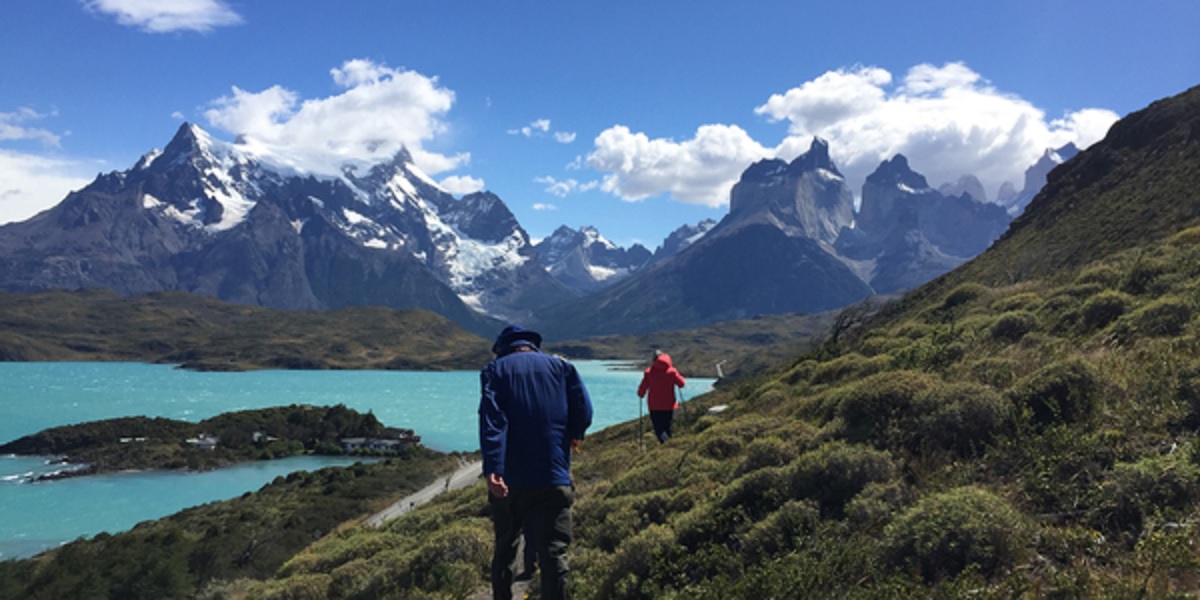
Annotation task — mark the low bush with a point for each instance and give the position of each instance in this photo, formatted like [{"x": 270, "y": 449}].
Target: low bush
[
  {"x": 1013, "y": 325},
  {"x": 1137, "y": 491},
  {"x": 1104, "y": 308},
  {"x": 868, "y": 407},
  {"x": 963, "y": 294},
  {"x": 1164, "y": 317},
  {"x": 835, "y": 473},
  {"x": 767, "y": 452},
  {"x": 959, "y": 417},
  {"x": 1021, "y": 301},
  {"x": 1063, "y": 392},
  {"x": 965, "y": 528},
  {"x": 783, "y": 531}
]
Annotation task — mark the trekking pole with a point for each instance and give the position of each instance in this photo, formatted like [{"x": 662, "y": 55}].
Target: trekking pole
[{"x": 641, "y": 438}]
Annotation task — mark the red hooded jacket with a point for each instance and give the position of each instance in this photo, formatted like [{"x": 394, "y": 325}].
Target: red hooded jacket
[{"x": 660, "y": 380}]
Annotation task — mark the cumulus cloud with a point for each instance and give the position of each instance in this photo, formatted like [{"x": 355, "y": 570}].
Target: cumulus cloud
[
  {"x": 461, "y": 184},
  {"x": 12, "y": 127},
  {"x": 949, "y": 121},
  {"x": 540, "y": 128},
  {"x": 165, "y": 16},
  {"x": 565, "y": 187},
  {"x": 30, "y": 184},
  {"x": 697, "y": 171},
  {"x": 542, "y": 206},
  {"x": 380, "y": 111}
]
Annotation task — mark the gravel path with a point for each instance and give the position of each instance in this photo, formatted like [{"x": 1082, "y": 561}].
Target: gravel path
[{"x": 466, "y": 474}]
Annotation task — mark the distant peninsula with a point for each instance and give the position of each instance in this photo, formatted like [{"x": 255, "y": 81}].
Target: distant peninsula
[
  {"x": 144, "y": 443},
  {"x": 207, "y": 334}
]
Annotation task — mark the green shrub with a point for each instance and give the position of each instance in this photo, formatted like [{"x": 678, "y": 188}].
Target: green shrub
[
  {"x": 1102, "y": 274},
  {"x": 1063, "y": 392},
  {"x": 1104, "y": 308},
  {"x": 758, "y": 493},
  {"x": 1142, "y": 275},
  {"x": 946, "y": 534},
  {"x": 782, "y": 531},
  {"x": 963, "y": 294},
  {"x": 997, "y": 372},
  {"x": 835, "y": 473},
  {"x": 1012, "y": 326},
  {"x": 878, "y": 503},
  {"x": 847, "y": 366},
  {"x": 960, "y": 417},
  {"x": 868, "y": 407},
  {"x": 1022, "y": 301},
  {"x": 1137, "y": 491},
  {"x": 767, "y": 452},
  {"x": 1164, "y": 317}
]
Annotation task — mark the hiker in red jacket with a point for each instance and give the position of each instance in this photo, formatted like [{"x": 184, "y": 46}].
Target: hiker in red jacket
[{"x": 660, "y": 381}]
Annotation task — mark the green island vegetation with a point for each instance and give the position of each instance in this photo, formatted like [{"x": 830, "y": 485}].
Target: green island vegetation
[
  {"x": 203, "y": 333},
  {"x": 1025, "y": 426},
  {"x": 156, "y": 443},
  {"x": 222, "y": 545}
]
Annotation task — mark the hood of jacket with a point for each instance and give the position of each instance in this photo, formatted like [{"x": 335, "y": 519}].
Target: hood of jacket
[{"x": 662, "y": 362}]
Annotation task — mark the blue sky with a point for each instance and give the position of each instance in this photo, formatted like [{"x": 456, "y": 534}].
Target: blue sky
[{"x": 633, "y": 116}]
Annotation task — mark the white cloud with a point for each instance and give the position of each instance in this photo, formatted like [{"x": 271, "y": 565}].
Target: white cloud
[
  {"x": 565, "y": 187},
  {"x": 697, "y": 171},
  {"x": 12, "y": 128},
  {"x": 949, "y": 121},
  {"x": 164, "y": 16},
  {"x": 30, "y": 184},
  {"x": 540, "y": 128},
  {"x": 461, "y": 185},
  {"x": 381, "y": 111},
  {"x": 542, "y": 206}
]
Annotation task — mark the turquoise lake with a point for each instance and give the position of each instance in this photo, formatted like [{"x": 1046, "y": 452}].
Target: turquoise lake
[{"x": 439, "y": 406}]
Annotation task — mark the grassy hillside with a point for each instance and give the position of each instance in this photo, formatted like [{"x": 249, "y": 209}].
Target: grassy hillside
[
  {"x": 1023, "y": 427},
  {"x": 205, "y": 333},
  {"x": 1013, "y": 429}
]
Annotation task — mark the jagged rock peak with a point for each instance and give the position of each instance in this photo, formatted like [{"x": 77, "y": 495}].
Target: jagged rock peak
[
  {"x": 896, "y": 172},
  {"x": 967, "y": 184},
  {"x": 816, "y": 158}
]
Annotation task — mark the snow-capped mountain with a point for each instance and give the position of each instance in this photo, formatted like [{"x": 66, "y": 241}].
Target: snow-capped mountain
[
  {"x": 584, "y": 260},
  {"x": 222, "y": 219},
  {"x": 1035, "y": 177},
  {"x": 907, "y": 233},
  {"x": 683, "y": 237}
]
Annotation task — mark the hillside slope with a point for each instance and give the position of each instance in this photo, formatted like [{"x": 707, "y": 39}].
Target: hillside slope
[
  {"x": 1035, "y": 435},
  {"x": 995, "y": 434}
]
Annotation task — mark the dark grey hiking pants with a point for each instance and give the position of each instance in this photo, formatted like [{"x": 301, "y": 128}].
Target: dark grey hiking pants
[{"x": 545, "y": 515}]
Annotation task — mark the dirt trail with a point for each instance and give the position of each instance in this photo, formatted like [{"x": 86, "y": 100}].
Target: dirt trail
[{"x": 466, "y": 474}]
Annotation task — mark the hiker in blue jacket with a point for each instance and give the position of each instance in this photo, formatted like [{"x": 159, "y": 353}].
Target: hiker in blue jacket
[{"x": 533, "y": 409}]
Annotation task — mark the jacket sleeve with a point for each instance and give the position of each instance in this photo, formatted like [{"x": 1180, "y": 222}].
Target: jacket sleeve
[
  {"x": 644, "y": 385},
  {"x": 579, "y": 404},
  {"x": 493, "y": 425},
  {"x": 679, "y": 381}
]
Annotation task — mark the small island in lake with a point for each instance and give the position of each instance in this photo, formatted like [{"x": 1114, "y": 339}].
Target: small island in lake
[{"x": 139, "y": 443}]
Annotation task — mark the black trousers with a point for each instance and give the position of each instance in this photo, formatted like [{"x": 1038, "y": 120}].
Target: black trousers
[
  {"x": 544, "y": 513},
  {"x": 661, "y": 419}
]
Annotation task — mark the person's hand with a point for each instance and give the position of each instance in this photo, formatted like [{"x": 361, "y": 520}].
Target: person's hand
[
  {"x": 575, "y": 446},
  {"x": 496, "y": 485}
]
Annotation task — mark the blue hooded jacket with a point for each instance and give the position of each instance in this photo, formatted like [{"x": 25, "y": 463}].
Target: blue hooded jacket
[{"x": 531, "y": 406}]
